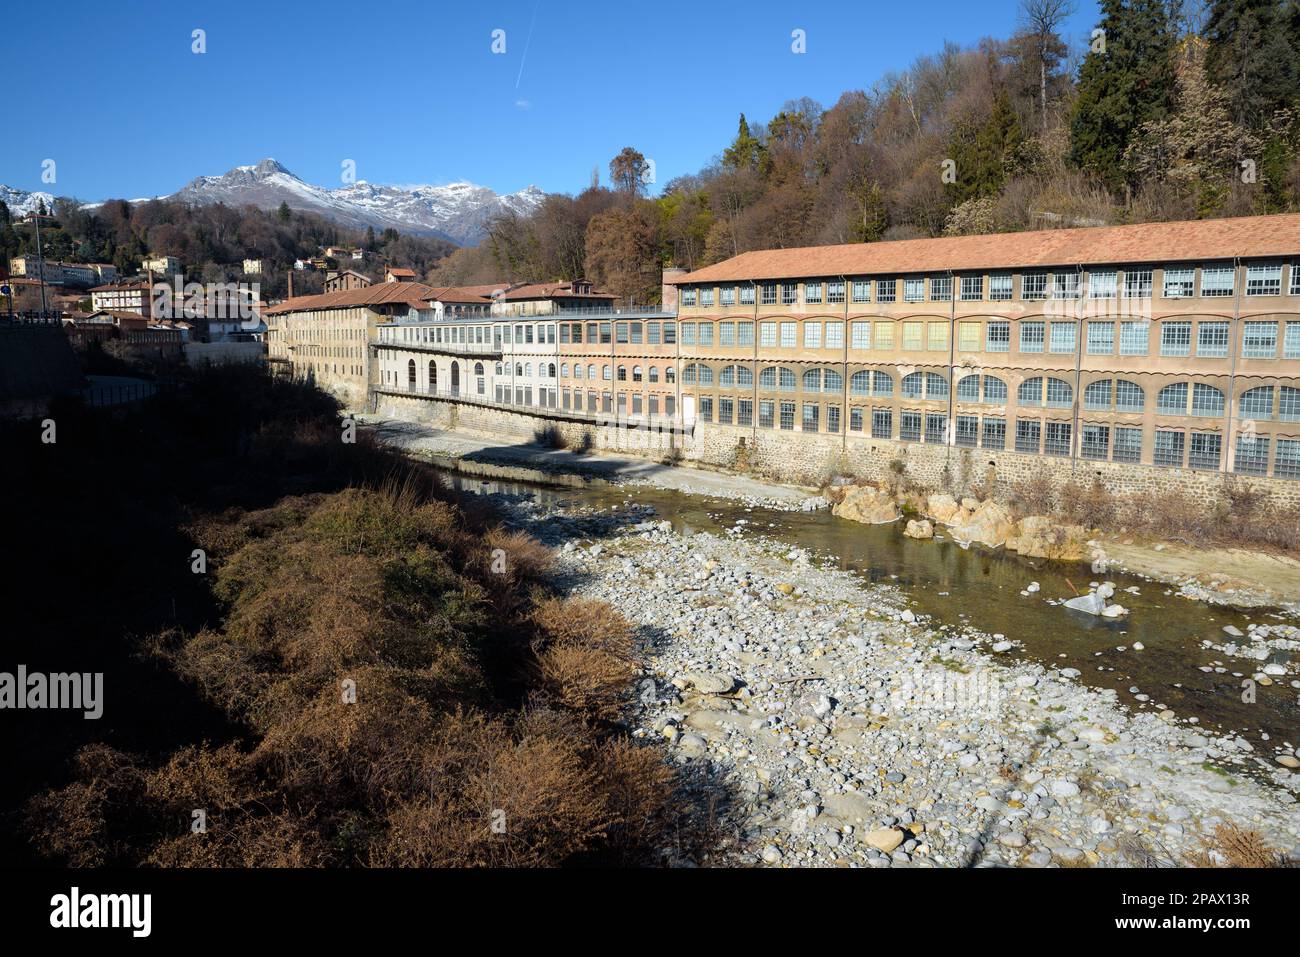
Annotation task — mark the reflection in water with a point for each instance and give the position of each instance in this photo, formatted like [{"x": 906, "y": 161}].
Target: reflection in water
[{"x": 981, "y": 588}]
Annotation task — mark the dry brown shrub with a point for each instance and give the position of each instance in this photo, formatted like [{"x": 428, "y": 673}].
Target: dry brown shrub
[
  {"x": 589, "y": 680},
  {"x": 526, "y": 559},
  {"x": 75, "y": 822},
  {"x": 584, "y": 655},
  {"x": 332, "y": 752},
  {"x": 1035, "y": 495},
  {"x": 540, "y": 789},
  {"x": 285, "y": 839},
  {"x": 1091, "y": 506},
  {"x": 1240, "y": 847},
  {"x": 583, "y": 622}
]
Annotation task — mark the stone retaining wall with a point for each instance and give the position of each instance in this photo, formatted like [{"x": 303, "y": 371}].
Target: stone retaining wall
[{"x": 811, "y": 459}]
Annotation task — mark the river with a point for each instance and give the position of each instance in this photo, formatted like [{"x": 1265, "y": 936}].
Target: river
[{"x": 978, "y": 588}]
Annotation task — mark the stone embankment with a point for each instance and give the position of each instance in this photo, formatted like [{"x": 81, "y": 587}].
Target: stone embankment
[{"x": 854, "y": 733}]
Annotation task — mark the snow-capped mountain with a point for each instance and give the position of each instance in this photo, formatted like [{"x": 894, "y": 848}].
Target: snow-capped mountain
[
  {"x": 457, "y": 211},
  {"x": 21, "y": 202}
]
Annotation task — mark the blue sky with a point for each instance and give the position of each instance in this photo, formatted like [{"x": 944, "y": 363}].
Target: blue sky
[{"x": 414, "y": 94}]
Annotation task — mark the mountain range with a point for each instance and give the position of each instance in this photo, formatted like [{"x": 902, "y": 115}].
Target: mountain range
[{"x": 457, "y": 211}]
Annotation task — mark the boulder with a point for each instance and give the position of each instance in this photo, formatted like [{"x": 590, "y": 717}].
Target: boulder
[
  {"x": 1037, "y": 536},
  {"x": 885, "y": 839},
  {"x": 919, "y": 529},
  {"x": 1091, "y": 603},
  {"x": 871, "y": 506},
  {"x": 706, "y": 683},
  {"x": 990, "y": 524},
  {"x": 942, "y": 507}
]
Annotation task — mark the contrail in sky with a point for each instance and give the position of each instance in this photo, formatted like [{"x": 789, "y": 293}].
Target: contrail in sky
[{"x": 523, "y": 59}]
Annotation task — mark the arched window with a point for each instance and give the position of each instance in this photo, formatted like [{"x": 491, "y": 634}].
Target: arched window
[
  {"x": 480, "y": 381},
  {"x": 550, "y": 370},
  {"x": 1096, "y": 397},
  {"x": 882, "y": 384},
  {"x": 637, "y": 375},
  {"x": 744, "y": 377},
  {"x": 564, "y": 369},
  {"x": 410, "y": 374},
  {"x": 653, "y": 373},
  {"x": 455, "y": 377},
  {"x": 622, "y": 373},
  {"x": 1257, "y": 403},
  {"x": 433, "y": 377},
  {"x": 1129, "y": 396},
  {"x": 860, "y": 383},
  {"x": 1060, "y": 394},
  {"x": 519, "y": 369},
  {"x": 591, "y": 370},
  {"x": 727, "y": 379},
  {"x": 913, "y": 385},
  {"x": 786, "y": 380},
  {"x": 1030, "y": 391},
  {"x": 706, "y": 375},
  {"x": 812, "y": 380},
  {"x": 1172, "y": 399},
  {"x": 670, "y": 375},
  {"x": 1207, "y": 400},
  {"x": 968, "y": 388},
  {"x": 936, "y": 386}
]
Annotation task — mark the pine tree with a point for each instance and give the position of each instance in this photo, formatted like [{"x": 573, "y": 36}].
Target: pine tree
[
  {"x": 745, "y": 150},
  {"x": 284, "y": 213},
  {"x": 1252, "y": 58},
  {"x": 1127, "y": 79}
]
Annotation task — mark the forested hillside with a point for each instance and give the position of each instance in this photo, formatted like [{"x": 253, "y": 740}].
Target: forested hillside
[{"x": 1172, "y": 110}]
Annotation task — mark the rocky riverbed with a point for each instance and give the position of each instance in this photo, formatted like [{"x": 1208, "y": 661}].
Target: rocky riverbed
[{"x": 853, "y": 732}]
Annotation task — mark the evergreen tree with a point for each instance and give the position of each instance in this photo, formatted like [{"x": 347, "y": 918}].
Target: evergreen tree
[
  {"x": 745, "y": 150},
  {"x": 1127, "y": 79},
  {"x": 1252, "y": 58},
  {"x": 984, "y": 153},
  {"x": 284, "y": 212}
]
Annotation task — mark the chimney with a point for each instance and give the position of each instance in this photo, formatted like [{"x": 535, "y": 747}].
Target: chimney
[
  {"x": 290, "y": 282},
  {"x": 669, "y": 294}
]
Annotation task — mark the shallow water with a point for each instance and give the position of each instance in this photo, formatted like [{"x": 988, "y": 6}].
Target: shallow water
[{"x": 980, "y": 588}]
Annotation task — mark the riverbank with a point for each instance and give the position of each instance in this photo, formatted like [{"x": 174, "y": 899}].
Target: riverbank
[
  {"x": 858, "y": 733},
  {"x": 1238, "y": 577}
]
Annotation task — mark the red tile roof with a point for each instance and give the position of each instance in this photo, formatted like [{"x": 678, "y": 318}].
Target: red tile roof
[
  {"x": 379, "y": 294},
  {"x": 461, "y": 294},
  {"x": 1246, "y": 237}
]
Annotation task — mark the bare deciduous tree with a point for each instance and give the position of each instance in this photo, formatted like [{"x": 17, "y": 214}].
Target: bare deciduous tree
[{"x": 1041, "y": 19}]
